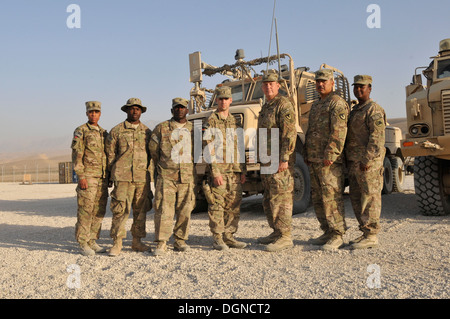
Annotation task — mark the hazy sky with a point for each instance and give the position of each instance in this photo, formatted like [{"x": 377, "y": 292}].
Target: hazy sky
[{"x": 140, "y": 48}]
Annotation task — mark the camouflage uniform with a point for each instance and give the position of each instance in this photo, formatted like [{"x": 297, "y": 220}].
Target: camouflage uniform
[
  {"x": 89, "y": 161},
  {"x": 224, "y": 212},
  {"x": 325, "y": 139},
  {"x": 128, "y": 161},
  {"x": 365, "y": 145},
  {"x": 279, "y": 187},
  {"x": 174, "y": 189}
]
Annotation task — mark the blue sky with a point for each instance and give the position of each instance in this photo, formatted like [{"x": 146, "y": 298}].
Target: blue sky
[{"x": 140, "y": 48}]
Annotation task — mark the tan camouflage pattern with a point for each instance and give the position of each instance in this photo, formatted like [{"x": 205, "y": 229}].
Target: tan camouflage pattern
[
  {"x": 128, "y": 156},
  {"x": 91, "y": 209},
  {"x": 88, "y": 152},
  {"x": 327, "y": 130},
  {"x": 279, "y": 113},
  {"x": 215, "y": 121},
  {"x": 327, "y": 185},
  {"x": 173, "y": 198},
  {"x": 278, "y": 200},
  {"x": 325, "y": 139},
  {"x": 89, "y": 162},
  {"x": 160, "y": 147},
  {"x": 365, "y": 144},
  {"x": 224, "y": 213},
  {"x": 366, "y": 134},
  {"x": 279, "y": 187},
  {"x": 127, "y": 196},
  {"x": 174, "y": 189}
]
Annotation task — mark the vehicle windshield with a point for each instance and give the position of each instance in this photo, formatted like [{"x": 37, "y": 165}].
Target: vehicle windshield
[{"x": 443, "y": 70}]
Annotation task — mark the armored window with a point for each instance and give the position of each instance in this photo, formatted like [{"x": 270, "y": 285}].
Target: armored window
[{"x": 443, "y": 70}]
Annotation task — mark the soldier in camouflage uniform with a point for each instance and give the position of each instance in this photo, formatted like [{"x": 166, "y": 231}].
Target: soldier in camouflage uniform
[
  {"x": 278, "y": 113},
  {"x": 225, "y": 174},
  {"x": 128, "y": 161},
  {"x": 89, "y": 162},
  {"x": 171, "y": 150},
  {"x": 325, "y": 139},
  {"x": 364, "y": 150}
]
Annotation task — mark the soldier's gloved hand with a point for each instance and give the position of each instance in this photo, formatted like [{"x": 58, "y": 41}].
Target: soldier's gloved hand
[
  {"x": 283, "y": 166},
  {"x": 83, "y": 184}
]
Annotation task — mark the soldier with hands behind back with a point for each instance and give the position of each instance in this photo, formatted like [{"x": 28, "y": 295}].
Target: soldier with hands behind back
[
  {"x": 365, "y": 150},
  {"x": 89, "y": 162}
]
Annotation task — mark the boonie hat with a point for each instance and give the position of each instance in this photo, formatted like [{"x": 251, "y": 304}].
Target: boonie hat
[
  {"x": 324, "y": 74},
  {"x": 134, "y": 102},
  {"x": 223, "y": 92},
  {"x": 93, "y": 106},
  {"x": 362, "y": 80},
  {"x": 180, "y": 101}
]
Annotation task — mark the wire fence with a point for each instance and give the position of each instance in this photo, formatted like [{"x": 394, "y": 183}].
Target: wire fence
[{"x": 34, "y": 174}]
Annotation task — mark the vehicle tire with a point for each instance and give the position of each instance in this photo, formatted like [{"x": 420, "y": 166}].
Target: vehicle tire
[
  {"x": 398, "y": 175},
  {"x": 302, "y": 186},
  {"x": 428, "y": 185},
  {"x": 388, "y": 183}
]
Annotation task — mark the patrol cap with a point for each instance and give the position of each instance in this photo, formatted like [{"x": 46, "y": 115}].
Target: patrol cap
[
  {"x": 362, "y": 80},
  {"x": 179, "y": 101},
  {"x": 134, "y": 102},
  {"x": 270, "y": 76},
  {"x": 93, "y": 106},
  {"x": 324, "y": 74},
  {"x": 223, "y": 92}
]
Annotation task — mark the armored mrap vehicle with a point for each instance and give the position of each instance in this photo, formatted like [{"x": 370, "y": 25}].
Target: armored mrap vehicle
[{"x": 428, "y": 135}]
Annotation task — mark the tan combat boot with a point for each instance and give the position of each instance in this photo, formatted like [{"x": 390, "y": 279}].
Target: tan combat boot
[
  {"x": 269, "y": 239},
  {"x": 284, "y": 242},
  {"x": 369, "y": 241},
  {"x": 116, "y": 248},
  {"x": 357, "y": 240},
  {"x": 218, "y": 242},
  {"x": 138, "y": 245},
  {"x": 231, "y": 242},
  {"x": 95, "y": 247},
  {"x": 86, "y": 250},
  {"x": 180, "y": 245},
  {"x": 322, "y": 239},
  {"x": 334, "y": 243},
  {"x": 161, "y": 248}
]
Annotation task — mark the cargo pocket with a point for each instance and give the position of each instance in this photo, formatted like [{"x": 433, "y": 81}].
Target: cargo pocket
[{"x": 118, "y": 199}]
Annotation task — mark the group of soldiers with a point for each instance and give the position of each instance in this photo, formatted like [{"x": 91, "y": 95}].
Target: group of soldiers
[{"x": 131, "y": 156}]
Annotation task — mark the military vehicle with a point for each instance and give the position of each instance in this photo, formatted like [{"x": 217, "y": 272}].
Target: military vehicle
[
  {"x": 296, "y": 83},
  {"x": 428, "y": 135}
]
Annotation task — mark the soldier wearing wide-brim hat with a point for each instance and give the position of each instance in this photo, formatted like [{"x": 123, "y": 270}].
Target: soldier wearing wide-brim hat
[
  {"x": 174, "y": 187},
  {"x": 89, "y": 163},
  {"x": 364, "y": 152},
  {"x": 134, "y": 102},
  {"x": 278, "y": 181},
  {"x": 323, "y": 152},
  {"x": 128, "y": 161}
]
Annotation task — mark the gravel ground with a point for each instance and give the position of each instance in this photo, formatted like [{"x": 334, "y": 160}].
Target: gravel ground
[{"x": 39, "y": 258}]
